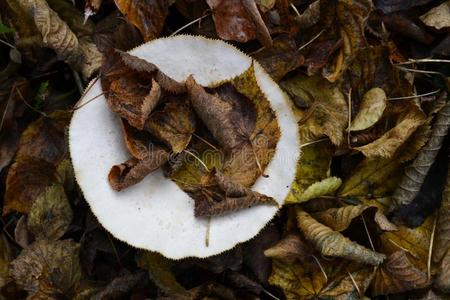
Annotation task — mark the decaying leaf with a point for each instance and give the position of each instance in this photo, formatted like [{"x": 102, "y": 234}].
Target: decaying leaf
[
  {"x": 158, "y": 268},
  {"x": 147, "y": 158},
  {"x": 415, "y": 242},
  {"x": 133, "y": 86},
  {"x": 371, "y": 109},
  {"x": 174, "y": 125},
  {"x": 310, "y": 16},
  {"x": 442, "y": 280},
  {"x": 438, "y": 17},
  {"x": 312, "y": 167},
  {"x": 291, "y": 248},
  {"x": 217, "y": 195},
  {"x": 388, "y": 144},
  {"x": 147, "y": 16},
  {"x": 324, "y": 187},
  {"x": 48, "y": 269},
  {"x": 415, "y": 174},
  {"x": 50, "y": 214},
  {"x": 322, "y": 279},
  {"x": 340, "y": 218},
  {"x": 329, "y": 116},
  {"x": 56, "y": 34},
  {"x": 332, "y": 243},
  {"x": 397, "y": 275},
  {"x": 5, "y": 259}
]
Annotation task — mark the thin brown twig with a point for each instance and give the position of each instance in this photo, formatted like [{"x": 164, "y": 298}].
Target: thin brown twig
[
  {"x": 430, "y": 248},
  {"x": 321, "y": 268}
]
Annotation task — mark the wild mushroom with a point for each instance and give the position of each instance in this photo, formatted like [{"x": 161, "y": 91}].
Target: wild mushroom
[{"x": 156, "y": 214}]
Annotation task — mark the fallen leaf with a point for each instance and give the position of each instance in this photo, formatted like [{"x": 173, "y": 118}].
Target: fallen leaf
[
  {"x": 340, "y": 218},
  {"x": 389, "y": 6},
  {"x": 442, "y": 280},
  {"x": 291, "y": 248},
  {"x": 310, "y": 15},
  {"x": 332, "y": 243},
  {"x": 133, "y": 86},
  {"x": 312, "y": 167},
  {"x": 415, "y": 173},
  {"x": 324, "y": 187},
  {"x": 119, "y": 286},
  {"x": 438, "y": 17},
  {"x": 51, "y": 214},
  {"x": 371, "y": 109},
  {"x": 48, "y": 269},
  {"x": 397, "y": 275},
  {"x": 442, "y": 240},
  {"x": 262, "y": 33},
  {"x": 330, "y": 107},
  {"x": 22, "y": 235},
  {"x": 147, "y": 16},
  {"x": 403, "y": 25},
  {"x": 388, "y": 144},
  {"x": 56, "y": 34},
  {"x": 158, "y": 268},
  {"x": 5, "y": 258},
  {"x": 344, "y": 279},
  {"x": 281, "y": 58}
]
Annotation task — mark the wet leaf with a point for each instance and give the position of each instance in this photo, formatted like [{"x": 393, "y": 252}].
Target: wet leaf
[
  {"x": 313, "y": 167},
  {"x": 344, "y": 279},
  {"x": 388, "y": 144},
  {"x": 371, "y": 109},
  {"x": 133, "y": 86},
  {"x": 158, "y": 268},
  {"x": 438, "y": 17},
  {"x": 174, "y": 125},
  {"x": 48, "y": 269},
  {"x": 147, "y": 16},
  {"x": 329, "y": 116},
  {"x": 51, "y": 214},
  {"x": 332, "y": 243},
  {"x": 397, "y": 275},
  {"x": 291, "y": 248},
  {"x": 415, "y": 174}
]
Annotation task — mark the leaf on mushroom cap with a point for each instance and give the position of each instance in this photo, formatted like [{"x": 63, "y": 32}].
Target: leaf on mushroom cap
[
  {"x": 133, "y": 86},
  {"x": 142, "y": 215}
]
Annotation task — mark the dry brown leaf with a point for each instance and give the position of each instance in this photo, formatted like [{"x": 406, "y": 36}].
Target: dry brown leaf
[
  {"x": 310, "y": 16},
  {"x": 173, "y": 125},
  {"x": 397, "y": 275},
  {"x": 48, "y": 269},
  {"x": 147, "y": 16},
  {"x": 442, "y": 240},
  {"x": 438, "y": 17},
  {"x": 330, "y": 109},
  {"x": 388, "y": 144},
  {"x": 56, "y": 34},
  {"x": 332, "y": 243},
  {"x": 217, "y": 195},
  {"x": 51, "y": 214},
  {"x": 371, "y": 109},
  {"x": 262, "y": 33},
  {"x": 415, "y": 174},
  {"x": 133, "y": 86},
  {"x": 340, "y": 218},
  {"x": 5, "y": 259},
  {"x": 291, "y": 248}
]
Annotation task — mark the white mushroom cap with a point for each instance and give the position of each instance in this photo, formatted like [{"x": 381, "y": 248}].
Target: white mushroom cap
[{"x": 156, "y": 214}]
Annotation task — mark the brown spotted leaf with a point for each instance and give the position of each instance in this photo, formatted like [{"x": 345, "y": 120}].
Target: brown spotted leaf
[
  {"x": 173, "y": 125},
  {"x": 396, "y": 275},
  {"x": 133, "y": 86},
  {"x": 51, "y": 214},
  {"x": 48, "y": 269},
  {"x": 147, "y": 15},
  {"x": 332, "y": 243}
]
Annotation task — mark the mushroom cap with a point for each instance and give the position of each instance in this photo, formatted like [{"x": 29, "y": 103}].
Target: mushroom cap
[{"x": 156, "y": 214}]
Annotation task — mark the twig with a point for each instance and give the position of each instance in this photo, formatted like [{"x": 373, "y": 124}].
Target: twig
[
  {"x": 367, "y": 231},
  {"x": 205, "y": 141},
  {"x": 198, "y": 159},
  {"x": 430, "y": 248},
  {"x": 189, "y": 24},
  {"x": 295, "y": 9},
  {"x": 313, "y": 142},
  {"x": 311, "y": 40},
  {"x": 30, "y": 106},
  {"x": 349, "y": 117},
  {"x": 422, "y": 60},
  {"x": 354, "y": 283},
  {"x": 87, "y": 102},
  {"x": 404, "y": 249},
  {"x": 419, "y": 71},
  {"x": 321, "y": 268},
  {"x": 415, "y": 96}
]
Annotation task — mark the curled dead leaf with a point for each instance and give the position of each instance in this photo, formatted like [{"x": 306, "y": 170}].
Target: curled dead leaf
[
  {"x": 332, "y": 243},
  {"x": 371, "y": 109},
  {"x": 291, "y": 248}
]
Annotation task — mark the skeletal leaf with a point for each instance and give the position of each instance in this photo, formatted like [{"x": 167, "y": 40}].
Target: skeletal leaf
[
  {"x": 388, "y": 144},
  {"x": 313, "y": 166},
  {"x": 397, "y": 275},
  {"x": 371, "y": 109},
  {"x": 289, "y": 249},
  {"x": 321, "y": 279},
  {"x": 147, "y": 16},
  {"x": 438, "y": 17},
  {"x": 415, "y": 174},
  {"x": 133, "y": 86},
  {"x": 158, "y": 268},
  {"x": 174, "y": 125},
  {"x": 415, "y": 242},
  {"x": 48, "y": 269},
  {"x": 329, "y": 116},
  {"x": 56, "y": 34},
  {"x": 332, "y": 243},
  {"x": 50, "y": 215}
]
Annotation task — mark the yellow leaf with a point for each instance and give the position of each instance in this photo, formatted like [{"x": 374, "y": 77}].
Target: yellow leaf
[
  {"x": 371, "y": 109},
  {"x": 321, "y": 188},
  {"x": 332, "y": 243}
]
